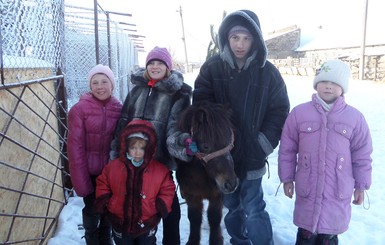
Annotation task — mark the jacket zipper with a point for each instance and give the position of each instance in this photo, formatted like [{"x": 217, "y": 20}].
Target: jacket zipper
[
  {"x": 133, "y": 221},
  {"x": 104, "y": 123},
  {"x": 145, "y": 104}
]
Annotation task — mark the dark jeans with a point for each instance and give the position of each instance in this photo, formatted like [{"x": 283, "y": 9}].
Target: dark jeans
[
  {"x": 305, "y": 237},
  {"x": 247, "y": 221},
  {"x": 125, "y": 239},
  {"x": 171, "y": 234}
]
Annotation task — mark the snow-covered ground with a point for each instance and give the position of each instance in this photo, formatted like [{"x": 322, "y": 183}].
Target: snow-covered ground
[{"x": 367, "y": 225}]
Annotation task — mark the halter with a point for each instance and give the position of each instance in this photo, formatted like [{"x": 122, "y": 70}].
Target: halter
[{"x": 206, "y": 157}]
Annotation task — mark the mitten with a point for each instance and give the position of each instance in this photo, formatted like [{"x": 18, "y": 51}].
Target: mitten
[
  {"x": 176, "y": 145},
  {"x": 191, "y": 147}
]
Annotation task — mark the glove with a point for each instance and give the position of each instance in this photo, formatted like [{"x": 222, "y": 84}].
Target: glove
[{"x": 191, "y": 147}]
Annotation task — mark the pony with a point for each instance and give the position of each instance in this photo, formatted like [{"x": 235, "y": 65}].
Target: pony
[{"x": 211, "y": 172}]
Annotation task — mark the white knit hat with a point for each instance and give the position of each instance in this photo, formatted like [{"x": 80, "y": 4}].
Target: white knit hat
[
  {"x": 335, "y": 71},
  {"x": 138, "y": 135}
]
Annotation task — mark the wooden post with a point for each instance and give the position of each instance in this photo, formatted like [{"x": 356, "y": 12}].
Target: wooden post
[{"x": 363, "y": 44}]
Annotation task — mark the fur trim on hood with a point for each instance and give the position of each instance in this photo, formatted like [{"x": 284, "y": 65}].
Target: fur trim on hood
[
  {"x": 169, "y": 85},
  {"x": 137, "y": 126}
]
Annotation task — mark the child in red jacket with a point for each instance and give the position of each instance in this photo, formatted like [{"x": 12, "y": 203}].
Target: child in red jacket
[{"x": 135, "y": 190}]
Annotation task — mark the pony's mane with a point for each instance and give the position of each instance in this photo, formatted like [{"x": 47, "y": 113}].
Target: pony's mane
[{"x": 207, "y": 119}]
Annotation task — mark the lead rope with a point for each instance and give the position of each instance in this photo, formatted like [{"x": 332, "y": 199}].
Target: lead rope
[
  {"x": 276, "y": 192},
  {"x": 268, "y": 168}
]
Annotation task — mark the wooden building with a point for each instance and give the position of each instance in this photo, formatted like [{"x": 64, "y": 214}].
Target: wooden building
[{"x": 300, "y": 52}]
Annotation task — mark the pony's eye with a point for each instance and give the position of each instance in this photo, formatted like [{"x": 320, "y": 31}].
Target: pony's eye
[{"x": 205, "y": 147}]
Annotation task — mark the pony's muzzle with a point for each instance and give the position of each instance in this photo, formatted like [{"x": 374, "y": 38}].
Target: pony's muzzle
[{"x": 230, "y": 185}]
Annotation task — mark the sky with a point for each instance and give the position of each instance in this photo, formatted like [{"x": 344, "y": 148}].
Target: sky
[
  {"x": 161, "y": 23},
  {"x": 367, "y": 224}
]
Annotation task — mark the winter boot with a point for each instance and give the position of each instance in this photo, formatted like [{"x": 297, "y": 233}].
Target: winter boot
[
  {"x": 305, "y": 237},
  {"x": 90, "y": 224},
  {"x": 325, "y": 239},
  {"x": 105, "y": 232}
]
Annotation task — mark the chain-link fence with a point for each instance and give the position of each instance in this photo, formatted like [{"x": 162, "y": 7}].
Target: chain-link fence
[
  {"x": 41, "y": 34},
  {"x": 30, "y": 37},
  {"x": 115, "y": 49},
  {"x": 46, "y": 51}
]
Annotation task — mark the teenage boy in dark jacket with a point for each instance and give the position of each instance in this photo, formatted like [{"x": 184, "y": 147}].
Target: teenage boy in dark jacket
[{"x": 241, "y": 77}]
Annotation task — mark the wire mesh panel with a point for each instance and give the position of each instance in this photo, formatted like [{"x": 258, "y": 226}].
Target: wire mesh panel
[
  {"x": 125, "y": 59},
  {"x": 46, "y": 51},
  {"x": 31, "y": 170}
]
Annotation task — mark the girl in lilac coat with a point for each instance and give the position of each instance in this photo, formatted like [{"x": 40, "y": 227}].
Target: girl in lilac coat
[{"x": 325, "y": 150}]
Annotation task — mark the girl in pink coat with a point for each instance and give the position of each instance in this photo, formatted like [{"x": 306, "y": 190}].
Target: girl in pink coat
[
  {"x": 91, "y": 125},
  {"x": 325, "y": 150}
]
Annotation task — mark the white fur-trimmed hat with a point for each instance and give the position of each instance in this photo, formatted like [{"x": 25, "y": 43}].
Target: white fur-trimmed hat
[{"x": 335, "y": 71}]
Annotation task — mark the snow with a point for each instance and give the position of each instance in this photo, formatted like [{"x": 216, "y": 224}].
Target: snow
[
  {"x": 18, "y": 62},
  {"x": 367, "y": 225}
]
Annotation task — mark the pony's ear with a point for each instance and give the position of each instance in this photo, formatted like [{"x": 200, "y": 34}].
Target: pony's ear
[
  {"x": 227, "y": 110},
  {"x": 200, "y": 117},
  {"x": 227, "y": 107}
]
